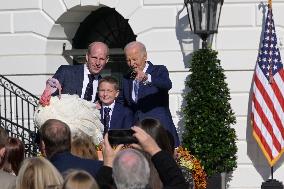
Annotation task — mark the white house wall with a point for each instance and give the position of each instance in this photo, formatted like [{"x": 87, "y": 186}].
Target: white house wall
[{"x": 32, "y": 34}]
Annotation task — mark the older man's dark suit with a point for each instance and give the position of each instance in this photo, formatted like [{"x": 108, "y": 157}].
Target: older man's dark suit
[
  {"x": 121, "y": 117},
  {"x": 65, "y": 160},
  {"x": 153, "y": 98}
]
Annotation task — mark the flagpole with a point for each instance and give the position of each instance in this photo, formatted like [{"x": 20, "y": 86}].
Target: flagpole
[
  {"x": 271, "y": 172},
  {"x": 271, "y": 63}
]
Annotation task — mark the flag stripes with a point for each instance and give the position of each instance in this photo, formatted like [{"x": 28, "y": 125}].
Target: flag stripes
[{"x": 268, "y": 96}]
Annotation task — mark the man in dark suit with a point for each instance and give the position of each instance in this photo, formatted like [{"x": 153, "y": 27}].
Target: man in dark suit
[
  {"x": 56, "y": 146},
  {"x": 83, "y": 79},
  {"x": 146, "y": 88},
  {"x": 113, "y": 115}
]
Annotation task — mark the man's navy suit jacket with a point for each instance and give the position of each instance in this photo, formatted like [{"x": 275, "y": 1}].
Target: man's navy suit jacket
[
  {"x": 65, "y": 161},
  {"x": 153, "y": 98},
  {"x": 121, "y": 117},
  {"x": 71, "y": 78}
]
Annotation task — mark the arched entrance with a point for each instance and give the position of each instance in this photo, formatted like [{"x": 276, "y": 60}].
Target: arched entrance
[{"x": 108, "y": 26}]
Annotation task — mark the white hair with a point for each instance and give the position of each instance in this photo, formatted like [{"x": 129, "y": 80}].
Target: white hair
[
  {"x": 136, "y": 44},
  {"x": 131, "y": 170}
]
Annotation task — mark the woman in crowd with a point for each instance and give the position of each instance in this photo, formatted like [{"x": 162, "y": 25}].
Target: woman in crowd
[
  {"x": 154, "y": 128},
  {"x": 14, "y": 155},
  {"x": 38, "y": 173},
  {"x": 83, "y": 146},
  {"x": 79, "y": 179},
  {"x": 165, "y": 141}
]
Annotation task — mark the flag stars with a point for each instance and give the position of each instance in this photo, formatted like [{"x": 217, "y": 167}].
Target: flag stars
[
  {"x": 269, "y": 56},
  {"x": 273, "y": 31},
  {"x": 265, "y": 52},
  {"x": 275, "y": 67}
]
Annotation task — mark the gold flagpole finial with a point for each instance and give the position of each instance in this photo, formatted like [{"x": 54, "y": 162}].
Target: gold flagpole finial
[{"x": 270, "y": 3}]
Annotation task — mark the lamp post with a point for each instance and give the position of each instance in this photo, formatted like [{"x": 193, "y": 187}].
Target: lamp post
[{"x": 203, "y": 16}]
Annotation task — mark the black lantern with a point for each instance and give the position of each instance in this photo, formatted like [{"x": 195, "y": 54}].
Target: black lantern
[{"x": 203, "y": 16}]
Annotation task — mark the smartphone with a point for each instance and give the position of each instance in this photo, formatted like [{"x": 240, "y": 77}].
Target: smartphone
[{"x": 121, "y": 136}]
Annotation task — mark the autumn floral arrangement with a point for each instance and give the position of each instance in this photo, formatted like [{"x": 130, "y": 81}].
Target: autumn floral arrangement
[{"x": 185, "y": 159}]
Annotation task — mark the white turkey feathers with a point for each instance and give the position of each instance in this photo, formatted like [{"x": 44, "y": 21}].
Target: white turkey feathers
[{"x": 80, "y": 115}]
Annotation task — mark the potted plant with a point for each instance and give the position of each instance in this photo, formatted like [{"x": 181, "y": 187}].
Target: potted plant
[{"x": 208, "y": 115}]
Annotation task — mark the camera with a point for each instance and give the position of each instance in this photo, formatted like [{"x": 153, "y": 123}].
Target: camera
[{"x": 121, "y": 136}]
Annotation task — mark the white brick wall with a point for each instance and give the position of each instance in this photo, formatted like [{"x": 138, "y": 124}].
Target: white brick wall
[
  {"x": 32, "y": 34},
  {"x": 5, "y": 20},
  {"x": 19, "y": 5},
  {"x": 25, "y": 22}
]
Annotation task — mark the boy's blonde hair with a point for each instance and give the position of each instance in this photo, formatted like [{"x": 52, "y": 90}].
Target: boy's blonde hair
[{"x": 111, "y": 80}]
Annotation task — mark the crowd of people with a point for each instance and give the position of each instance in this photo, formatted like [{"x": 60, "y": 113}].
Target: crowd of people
[
  {"x": 149, "y": 163},
  {"x": 72, "y": 162}
]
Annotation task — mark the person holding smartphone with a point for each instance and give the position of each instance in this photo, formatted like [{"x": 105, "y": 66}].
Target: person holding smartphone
[
  {"x": 113, "y": 115},
  {"x": 114, "y": 169}
]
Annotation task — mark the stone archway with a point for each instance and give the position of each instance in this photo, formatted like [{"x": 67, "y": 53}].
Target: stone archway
[
  {"x": 108, "y": 26},
  {"x": 67, "y": 15},
  {"x": 80, "y": 24},
  {"x": 104, "y": 24}
]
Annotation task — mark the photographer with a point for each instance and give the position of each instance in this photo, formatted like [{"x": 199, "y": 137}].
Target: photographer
[{"x": 170, "y": 174}]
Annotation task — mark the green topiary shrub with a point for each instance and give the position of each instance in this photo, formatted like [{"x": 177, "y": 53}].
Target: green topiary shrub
[{"x": 208, "y": 115}]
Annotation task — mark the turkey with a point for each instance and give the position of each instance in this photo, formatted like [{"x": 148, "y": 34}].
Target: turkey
[{"x": 80, "y": 115}]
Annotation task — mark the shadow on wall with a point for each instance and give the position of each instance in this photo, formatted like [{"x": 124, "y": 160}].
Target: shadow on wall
[
  {"x": 253, "y": 150},
  {"x": 189, "y": 42},
  {"x": 180, "y": 126}
]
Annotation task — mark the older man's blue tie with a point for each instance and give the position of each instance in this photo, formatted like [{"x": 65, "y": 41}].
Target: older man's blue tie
[
  {"x": 136, "y": 88},
  {"x": 106, "y": 119},
  {"x": 89, "y": 89}
]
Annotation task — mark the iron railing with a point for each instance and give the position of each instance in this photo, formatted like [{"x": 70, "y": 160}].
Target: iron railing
[{"x": 17, "y": 107}]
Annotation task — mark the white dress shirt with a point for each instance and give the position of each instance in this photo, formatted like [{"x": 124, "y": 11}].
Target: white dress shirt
[{"x": 147, "y": 81}]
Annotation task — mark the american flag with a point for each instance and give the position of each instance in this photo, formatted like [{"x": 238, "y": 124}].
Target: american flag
[{"x": 268, "y": 95}]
